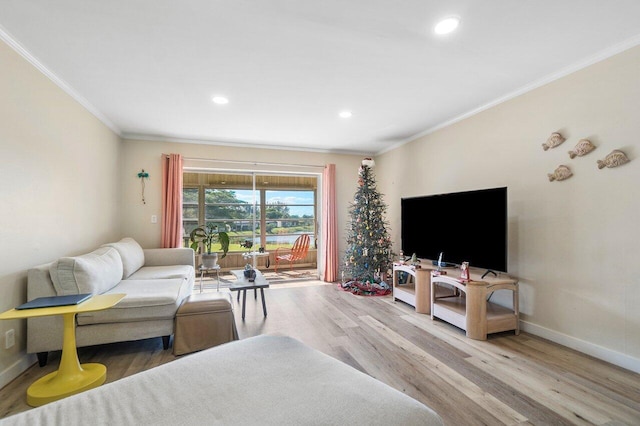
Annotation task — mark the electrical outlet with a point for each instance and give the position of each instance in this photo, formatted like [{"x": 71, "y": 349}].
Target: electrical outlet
[
  {"x": 9, "y": 338},
  {"x": 154, "y": 218}
]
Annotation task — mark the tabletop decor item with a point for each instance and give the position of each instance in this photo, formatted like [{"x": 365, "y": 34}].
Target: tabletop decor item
[
  {"x": 583, "y": 147},
  {"x": 614, "y": 159},
  {"x": 464, "y": 271},
  {"x": 249, "y": 272}
]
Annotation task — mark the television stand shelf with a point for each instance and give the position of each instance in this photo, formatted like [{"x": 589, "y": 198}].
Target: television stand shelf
[
  {"x": 467, "y": 306},
  {"x": 414, "y": 289}
]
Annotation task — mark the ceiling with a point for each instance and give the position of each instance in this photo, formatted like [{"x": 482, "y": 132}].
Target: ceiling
[{"x": 149, "y": 68}]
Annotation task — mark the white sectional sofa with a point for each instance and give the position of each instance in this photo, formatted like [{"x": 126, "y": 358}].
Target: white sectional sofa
[{"x": 155, "y": 282}]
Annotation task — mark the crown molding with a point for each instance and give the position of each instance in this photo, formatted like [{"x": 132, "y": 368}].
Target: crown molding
[
  {"x": 236, "y": 144},
  {"x": 15, "y": 45},
  {"x": 586, "y": 62}
]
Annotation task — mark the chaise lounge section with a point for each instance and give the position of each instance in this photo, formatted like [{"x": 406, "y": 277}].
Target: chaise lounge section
[{"x": 155, "y": 282}]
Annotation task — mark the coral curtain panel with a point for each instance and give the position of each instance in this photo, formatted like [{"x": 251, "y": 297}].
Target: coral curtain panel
[
  {"x": 329, "y": 223},
  {"x": 171, "y": 201}
]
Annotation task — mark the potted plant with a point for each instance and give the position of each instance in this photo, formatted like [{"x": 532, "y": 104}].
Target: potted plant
[{"x": 208, "y": 234}]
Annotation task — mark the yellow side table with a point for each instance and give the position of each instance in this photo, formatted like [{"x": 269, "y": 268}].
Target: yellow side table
[{"x": 71, "y": 377}]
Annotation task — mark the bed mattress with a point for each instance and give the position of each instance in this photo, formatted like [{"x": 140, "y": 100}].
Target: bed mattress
[{"x": 266, "y": 380}]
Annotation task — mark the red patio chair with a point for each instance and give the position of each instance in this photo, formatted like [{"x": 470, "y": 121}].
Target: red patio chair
[{"x": 297, "y": 252}]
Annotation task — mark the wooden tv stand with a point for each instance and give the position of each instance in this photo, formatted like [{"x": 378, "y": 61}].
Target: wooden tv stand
[{"x": 466, "y": 306}]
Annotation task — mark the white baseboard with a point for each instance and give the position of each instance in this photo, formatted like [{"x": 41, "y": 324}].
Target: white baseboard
[
  {"x": 16, "y": 369},
  {"x": 608, "y": 355}
]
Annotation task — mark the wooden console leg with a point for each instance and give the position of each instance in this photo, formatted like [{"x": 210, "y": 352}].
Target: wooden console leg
[{"x": 476, "y": 312}]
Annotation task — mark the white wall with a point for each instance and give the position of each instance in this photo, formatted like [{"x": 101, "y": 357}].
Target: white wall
[
  {"x": 573, "y": 245},
  {"x": 59, "y": 186},
  {"x": 146, "y": 155}
]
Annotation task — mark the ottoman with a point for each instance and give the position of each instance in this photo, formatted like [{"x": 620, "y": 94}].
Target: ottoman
[{"x": 202, "y": 321}]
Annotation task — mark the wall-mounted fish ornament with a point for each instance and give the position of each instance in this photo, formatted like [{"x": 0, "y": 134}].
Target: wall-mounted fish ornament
[
  {"x": 614, "y": 159},
  {"x": 561, "y": 172},
  {"x": 554, "y": 140},
  {"x": 583, "y": 147}
]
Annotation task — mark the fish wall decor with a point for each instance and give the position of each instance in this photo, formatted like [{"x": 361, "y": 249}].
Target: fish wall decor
[
  {"x": 614, "y": 159},
  {"x": 561, "y": 172},
  {"x": 554, "y": 140},
  {"x": 583, "y": 147}
]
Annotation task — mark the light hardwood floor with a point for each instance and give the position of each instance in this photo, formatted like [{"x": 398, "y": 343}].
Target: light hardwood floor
[{"x": 506, "y": 380}]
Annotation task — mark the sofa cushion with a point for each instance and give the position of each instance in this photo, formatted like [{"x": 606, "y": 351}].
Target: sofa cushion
[
  {"x": 159, "y": 272},
  {"x": 131, "y": 253},
  {"x": 144, "y": 300},
  {"x": 94, "y": 272}
]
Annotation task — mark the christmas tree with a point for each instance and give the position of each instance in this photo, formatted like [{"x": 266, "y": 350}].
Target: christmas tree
[{"x": 368, "y": 256}]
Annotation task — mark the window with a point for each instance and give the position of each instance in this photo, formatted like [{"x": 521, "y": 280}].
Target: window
[
  {"x": 288, "y": 214},
  {"x": 232, "y": 211},
  {"x": 190, "y": 212},
  {"x": 273, "y": 215}
]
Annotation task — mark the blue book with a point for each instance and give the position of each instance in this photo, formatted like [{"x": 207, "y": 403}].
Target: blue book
[{"x": 48, "y": 302}]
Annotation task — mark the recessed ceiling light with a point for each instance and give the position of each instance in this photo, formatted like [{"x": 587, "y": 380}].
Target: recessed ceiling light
[
  {"x": 220, "y": 100},
  {"x": 447, "y": 25},
  {"x": 345, "y": 114}
]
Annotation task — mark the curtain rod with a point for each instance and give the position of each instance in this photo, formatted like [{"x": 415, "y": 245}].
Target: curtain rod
[{"x": 252, "y": 163}]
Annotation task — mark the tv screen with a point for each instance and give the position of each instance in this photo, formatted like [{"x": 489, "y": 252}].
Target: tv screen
[{"x": 468, "y": 226}]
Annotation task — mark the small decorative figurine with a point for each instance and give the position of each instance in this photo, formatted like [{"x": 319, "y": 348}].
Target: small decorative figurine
[
  {"x": 583, "y": 147},
  {"x": 249, "y": 273},
  {"x": 554, "y": 140},
  {"x": 614, "y": 159},
  {"x": 562, "y": 172},
  {"x": 464, "y": 271}
]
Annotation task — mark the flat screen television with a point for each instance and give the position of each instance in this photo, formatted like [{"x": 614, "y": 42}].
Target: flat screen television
[{"x": 468, "y": 226}]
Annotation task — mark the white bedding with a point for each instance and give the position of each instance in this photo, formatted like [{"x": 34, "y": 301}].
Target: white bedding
[{"x": 265, "y": 380}]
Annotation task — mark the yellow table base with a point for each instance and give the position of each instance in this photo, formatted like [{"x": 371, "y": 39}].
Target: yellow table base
[{"x": 48, "y": 389}]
